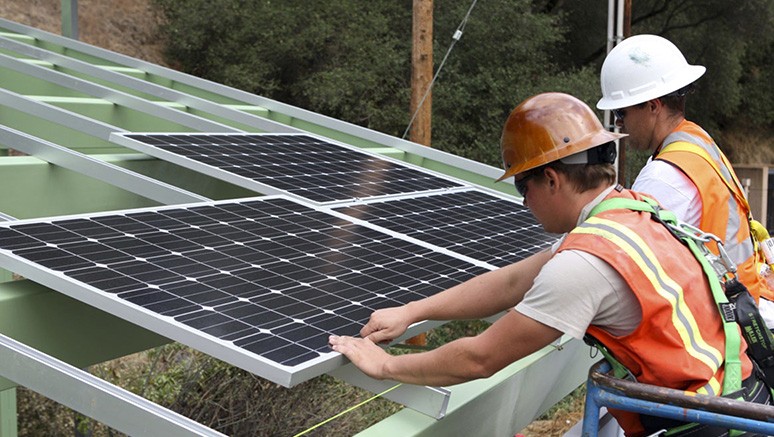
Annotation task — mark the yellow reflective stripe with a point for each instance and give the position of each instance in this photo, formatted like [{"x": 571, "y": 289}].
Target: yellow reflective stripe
[
  {"x": 682, "y": 318},
  {"x": 715, "y": 384},
  {"x": 712, "y": 388},
  {"x": 683, "y": 146}
]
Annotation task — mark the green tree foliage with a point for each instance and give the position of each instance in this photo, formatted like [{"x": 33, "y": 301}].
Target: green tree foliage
[
  {"x": 757, "y": 81},
  {"x": 734, "y": 100},
  {"x": 343, "y": 58},
  {"x": 731, "y": 39},
  {"x": 504, "y": 56},
  {"x": 717, "y": 34},
  {"x": 351, "y": 59}
]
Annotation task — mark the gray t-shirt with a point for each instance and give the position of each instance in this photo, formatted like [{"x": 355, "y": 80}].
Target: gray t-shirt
[{"x": 575, "y": 289}]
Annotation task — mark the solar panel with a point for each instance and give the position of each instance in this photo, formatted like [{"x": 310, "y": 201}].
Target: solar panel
[
  {"x": 260, "y": 283},
  {"x": 473, "y": 223},
  {"x": 302, "y": 165}
]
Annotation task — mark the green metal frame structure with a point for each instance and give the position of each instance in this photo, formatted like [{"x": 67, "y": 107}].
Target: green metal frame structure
[{"x": 59, "y": 102}]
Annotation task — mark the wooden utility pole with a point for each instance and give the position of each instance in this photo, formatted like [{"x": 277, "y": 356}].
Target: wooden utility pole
[
  {"x": 421, "y": 71},
  {"x": 627, "y": 26}
]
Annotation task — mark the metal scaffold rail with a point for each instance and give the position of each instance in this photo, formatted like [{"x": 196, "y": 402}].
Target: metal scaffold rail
[
  {"x": 114, "y": 406},
  {"x": 604, "y": 390}
]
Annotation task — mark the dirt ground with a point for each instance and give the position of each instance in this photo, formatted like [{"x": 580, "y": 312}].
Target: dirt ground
[{"x": 125, "y": 26}]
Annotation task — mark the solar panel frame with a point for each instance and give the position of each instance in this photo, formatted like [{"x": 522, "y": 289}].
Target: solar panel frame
[
  {"x": 283, "y": 179},
  {"x": 148, "y": 297}
]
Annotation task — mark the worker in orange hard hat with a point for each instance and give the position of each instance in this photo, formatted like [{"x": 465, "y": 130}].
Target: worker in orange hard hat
[
  {"x": 645, "y": 81},
  {"x": 617, "y": 275},
  {"x": 553, "y": 127}
]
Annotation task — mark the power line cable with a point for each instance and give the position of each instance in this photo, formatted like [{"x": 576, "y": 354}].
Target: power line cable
[{"x": 456, "y": 37}]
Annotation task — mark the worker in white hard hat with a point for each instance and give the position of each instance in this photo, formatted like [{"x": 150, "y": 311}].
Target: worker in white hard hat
[
  {"x": 618, "y": 275},
  {"x": 645, "y": 80}
]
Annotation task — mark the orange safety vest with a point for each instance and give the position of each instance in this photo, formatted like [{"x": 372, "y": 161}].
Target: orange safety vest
[
  {"x": 680, "y": 342},
  {"x": 725, "y": 211}
]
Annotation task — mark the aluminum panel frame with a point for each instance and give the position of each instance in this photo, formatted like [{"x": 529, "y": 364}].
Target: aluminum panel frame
[{"x": 96, "y": 398}]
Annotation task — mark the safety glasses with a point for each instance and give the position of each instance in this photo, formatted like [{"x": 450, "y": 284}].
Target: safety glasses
[
  {"x": 621, "y": 113},
  {"x": 521, "y": 184}
]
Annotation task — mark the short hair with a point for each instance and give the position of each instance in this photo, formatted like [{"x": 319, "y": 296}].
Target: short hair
[
  {"x": 675, "y": 101},
  {"x": 583, "y": 177}
]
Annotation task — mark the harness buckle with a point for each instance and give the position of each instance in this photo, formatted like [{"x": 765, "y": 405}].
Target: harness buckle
[{"x": 721, "y": 263}]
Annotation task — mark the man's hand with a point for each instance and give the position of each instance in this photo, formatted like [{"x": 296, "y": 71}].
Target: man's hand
[
  {"x": 367, "y": 356},
  {"x": 386, "y": 324}
]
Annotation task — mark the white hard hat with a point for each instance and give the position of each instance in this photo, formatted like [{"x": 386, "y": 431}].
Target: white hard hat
[{"x": 642, "y": 68}]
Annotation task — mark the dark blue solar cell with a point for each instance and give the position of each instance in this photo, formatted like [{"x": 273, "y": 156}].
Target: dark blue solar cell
[
  {"x": 472, "y": 223},
  {"x": 309, "y": 167},
  {"x": 276, "y": 285}
]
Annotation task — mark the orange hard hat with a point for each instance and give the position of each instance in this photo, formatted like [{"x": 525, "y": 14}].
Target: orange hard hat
[{"x": 548, "y": 127}]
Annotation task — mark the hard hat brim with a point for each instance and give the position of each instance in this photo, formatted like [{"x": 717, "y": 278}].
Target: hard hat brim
[
  {"x": 624, "y": 99},
  {"x": 591, "y": 141}
]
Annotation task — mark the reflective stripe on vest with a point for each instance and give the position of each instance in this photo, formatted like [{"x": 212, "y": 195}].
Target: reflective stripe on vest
[
  {"x": 692, "y": 150},
  {"x": 738, "y": 251},
  {"x": 683, "y": 319},
  {"x": 738, "y": 248}
]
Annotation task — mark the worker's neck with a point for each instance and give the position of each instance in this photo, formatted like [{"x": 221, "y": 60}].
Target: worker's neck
[
  {"x": 662, "y": 129},
  {"x": 582, "y": 200}
]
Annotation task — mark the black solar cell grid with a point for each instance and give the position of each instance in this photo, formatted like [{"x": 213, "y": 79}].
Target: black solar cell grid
[
  {"x": 471, "y": 223},
  {"x": 270, "y": 275},
  {"x": 273, "y": 276},
  {"x": 299, "y": 164}
]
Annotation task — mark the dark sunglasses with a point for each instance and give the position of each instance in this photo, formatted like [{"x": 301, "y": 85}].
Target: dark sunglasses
[
  {"x": 619, "y": 113},
  {"x": 521, "y": 184}
]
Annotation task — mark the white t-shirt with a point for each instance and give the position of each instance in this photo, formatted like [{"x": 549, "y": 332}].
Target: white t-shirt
[
  {"x": 672, "y": 189},
  {"x": 575, "y": 289},
  {"x": 677, "y": 193}
]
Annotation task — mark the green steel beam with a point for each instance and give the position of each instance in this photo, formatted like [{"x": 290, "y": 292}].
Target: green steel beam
[
  {"x": 33, "y": 188},
  {"x": 8, "y": 423},
  {"x": 65, "y": 328},
  {"x": 70, "y": 18},
  {"x": 68, "y": 136},
  {"x": 502, "y": 404}
]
